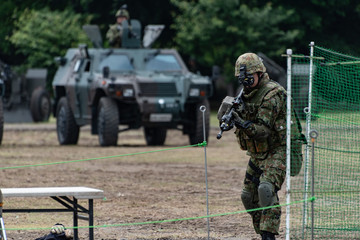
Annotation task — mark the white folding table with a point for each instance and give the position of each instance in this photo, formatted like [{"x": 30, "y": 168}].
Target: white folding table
[{"x": 61, "y": 195}]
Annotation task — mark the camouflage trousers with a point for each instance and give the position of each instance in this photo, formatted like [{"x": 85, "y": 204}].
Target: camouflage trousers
[{"x": 270, "y": 169}]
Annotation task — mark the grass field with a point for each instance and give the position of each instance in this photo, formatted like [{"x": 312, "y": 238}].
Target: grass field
[{"x": 140, "y": 188}]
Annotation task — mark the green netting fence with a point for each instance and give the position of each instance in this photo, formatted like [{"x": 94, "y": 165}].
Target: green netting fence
[{"x": 327, "y": 85}]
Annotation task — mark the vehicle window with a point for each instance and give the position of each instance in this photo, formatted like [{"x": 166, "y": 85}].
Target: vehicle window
[
  {"x": 163, "y": 62},
  {"x": 87, "y": 66},
  {"x": 116, "y": 63},
  {"x": 77, "y": 65}
]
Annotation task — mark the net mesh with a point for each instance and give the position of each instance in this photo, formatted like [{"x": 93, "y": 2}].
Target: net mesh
[{"x": 335, "y": 114}]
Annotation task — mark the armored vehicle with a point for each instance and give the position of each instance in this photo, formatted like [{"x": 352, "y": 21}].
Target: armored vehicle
[
  {"x": 118, "y": 89},
  {"x": 24, "y": 98}
]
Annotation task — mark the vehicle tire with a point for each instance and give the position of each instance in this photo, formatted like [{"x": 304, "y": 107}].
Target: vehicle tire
[
  {"x": 1, "y": 120},
  {"x": 108, "y": 122},
  {"x": 155, "y": 136},
  {"x": 40, "y": 105},
  {"x": 66, "y": 127},
  {"x": 197, "y": 135}
]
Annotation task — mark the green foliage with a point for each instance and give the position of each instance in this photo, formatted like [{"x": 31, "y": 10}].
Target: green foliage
[
  {"x": 40, "y": 35},
  {"x": 6, "y": 9},
  {"x": 216, "y": 32},
  {"x": 213, "y": 31},
  {"x": 330, "y": 23}
]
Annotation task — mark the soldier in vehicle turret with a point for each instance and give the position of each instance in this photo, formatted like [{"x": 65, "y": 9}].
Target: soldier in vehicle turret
[{"x": 114, "y": 34}]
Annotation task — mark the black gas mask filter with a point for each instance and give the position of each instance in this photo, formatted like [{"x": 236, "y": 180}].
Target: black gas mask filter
[{"x": 245, "y": 78}]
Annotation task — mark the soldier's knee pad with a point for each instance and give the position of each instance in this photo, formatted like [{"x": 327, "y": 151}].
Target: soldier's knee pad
[
  {"x": 247, "y": 200},
  {"x": 267, "y": 196}
]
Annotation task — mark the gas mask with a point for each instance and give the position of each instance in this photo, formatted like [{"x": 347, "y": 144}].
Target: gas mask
[{"x": 245, "y": 78}]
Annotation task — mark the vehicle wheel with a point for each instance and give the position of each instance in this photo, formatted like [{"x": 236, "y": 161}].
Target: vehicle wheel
[
  {"x": 40, "y": 106},
  {"x": 66, "y": 127},
  {"x": 196, "y": 135},
  {"x": 1, "y": 120},
  {"x": 155, "y": 136},
  {"x": 108, "y": 122}
]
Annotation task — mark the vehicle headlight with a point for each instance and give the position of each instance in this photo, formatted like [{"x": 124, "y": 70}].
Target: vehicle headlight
[
  {"x": 194, "y": 92},
  {"x": 128, "y": 92}
]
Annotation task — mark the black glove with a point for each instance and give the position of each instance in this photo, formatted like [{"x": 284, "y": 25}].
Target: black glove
[{"x": 239, "y": 122}]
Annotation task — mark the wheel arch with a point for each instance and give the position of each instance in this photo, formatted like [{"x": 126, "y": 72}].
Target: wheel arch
[
  {"x": 99, "y": 93},
  {"x": 59, "y": 93}
]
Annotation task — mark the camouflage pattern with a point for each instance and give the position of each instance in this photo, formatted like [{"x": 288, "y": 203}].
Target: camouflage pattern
[
  {"x": 252, "y": 61},
  {"x": 265, "y": 107},
  {"x": 114, "y": 35},
  {"x": 122, "y": 13},
  {"x": 273, "y": 169},
  {"x": 115, "y": 32},
  {"x": 265, "y": 142}
]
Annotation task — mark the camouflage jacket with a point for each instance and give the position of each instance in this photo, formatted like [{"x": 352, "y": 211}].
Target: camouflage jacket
[
  {"x": 114, "y": 35},
  {"x": 265, "y": 107}
]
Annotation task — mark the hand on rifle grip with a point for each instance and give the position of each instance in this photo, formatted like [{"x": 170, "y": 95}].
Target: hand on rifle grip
[{"x": 239, "y": 122}]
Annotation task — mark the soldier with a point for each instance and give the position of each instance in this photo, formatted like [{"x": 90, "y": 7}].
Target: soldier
[
  {"x": 58, "y": 232},
  {"x": 114, "y": 34},
  {"x": 261, "y": 131}
]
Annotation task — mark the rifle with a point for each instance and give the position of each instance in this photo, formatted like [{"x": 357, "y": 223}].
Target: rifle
[{"x": 227, "y": 120}]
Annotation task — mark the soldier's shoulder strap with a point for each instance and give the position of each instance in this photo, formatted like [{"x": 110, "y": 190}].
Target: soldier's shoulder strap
[
  {"x": 300, "y": 135},
  {"x": 278, "y": 88},
  {"x": 271, "y": 89}
]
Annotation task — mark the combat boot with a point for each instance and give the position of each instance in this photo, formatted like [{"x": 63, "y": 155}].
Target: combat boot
[{"x": 267, "y": 236}]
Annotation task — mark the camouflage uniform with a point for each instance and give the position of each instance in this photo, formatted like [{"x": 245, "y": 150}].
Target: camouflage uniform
[
  {"x": 263, "y": 136},
  {"x": 266, "y": 109},
  {"x": 114, "y": 34}
]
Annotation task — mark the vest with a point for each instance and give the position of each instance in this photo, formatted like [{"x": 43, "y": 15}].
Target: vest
[{"x": 259, "y": 148}]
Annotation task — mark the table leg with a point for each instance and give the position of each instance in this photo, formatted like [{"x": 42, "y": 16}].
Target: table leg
[
  {"x": 91, "y": 219},
  {"x": 75, "y": 219}
]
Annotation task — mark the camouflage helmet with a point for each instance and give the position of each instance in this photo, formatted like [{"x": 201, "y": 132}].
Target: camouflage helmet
[
  {"x": 252, "y": 61},
  {"x": 123, "y": 12}
]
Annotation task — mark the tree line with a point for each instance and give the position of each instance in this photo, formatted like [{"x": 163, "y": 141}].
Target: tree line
[{"x": 214, "y": 32}]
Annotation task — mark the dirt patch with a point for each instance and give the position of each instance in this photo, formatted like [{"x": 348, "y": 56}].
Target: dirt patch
[{"x": 139, "y": 188}]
